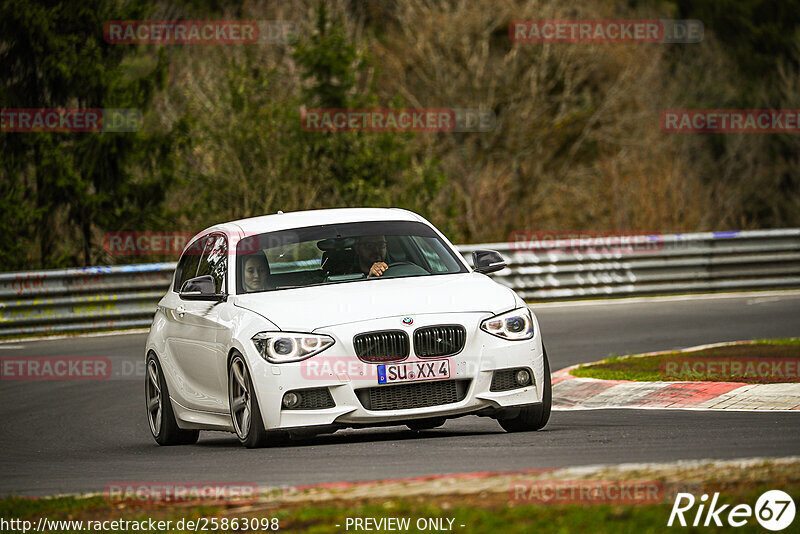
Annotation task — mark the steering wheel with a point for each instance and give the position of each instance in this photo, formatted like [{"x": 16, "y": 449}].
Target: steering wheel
[
  {"x": 415, "y": 269},
  {"x": 395, "y": 264}
]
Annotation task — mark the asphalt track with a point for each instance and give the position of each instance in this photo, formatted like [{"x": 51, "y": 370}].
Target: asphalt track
[{"x": 65, "y": 437}]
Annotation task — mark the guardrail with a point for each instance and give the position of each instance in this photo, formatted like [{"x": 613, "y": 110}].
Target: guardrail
[
  {"x": 654, "y": 264},
  {"x": 118, "y": 297}
]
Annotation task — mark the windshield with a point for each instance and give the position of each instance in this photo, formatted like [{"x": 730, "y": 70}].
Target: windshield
[{"x": 336, "y": 253}]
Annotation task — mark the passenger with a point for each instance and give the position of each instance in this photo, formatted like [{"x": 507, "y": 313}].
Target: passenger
[
  {"x": 370, "y": 255},
  {"x": 255, "y": 271}
]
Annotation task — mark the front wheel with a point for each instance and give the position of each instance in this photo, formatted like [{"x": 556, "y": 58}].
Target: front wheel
[
  {"x": 245, "y": 414},
  {"x": 533, "y": 417},
  {"x": 163, "y": 425}
]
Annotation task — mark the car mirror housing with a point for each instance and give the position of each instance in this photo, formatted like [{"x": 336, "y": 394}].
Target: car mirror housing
[
  {"x": 201, "y": 288},
  {"x": 487, "y": 261}
]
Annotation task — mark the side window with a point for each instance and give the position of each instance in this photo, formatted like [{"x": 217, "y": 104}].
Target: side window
[
  {"x": 187, "y": 266},
  {"x": 215, "y": 261}
]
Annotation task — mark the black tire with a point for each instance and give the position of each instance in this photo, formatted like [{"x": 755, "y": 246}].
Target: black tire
[
  {"x": 425, "y": 424},
  {"x": 161, "y": 419},
  {"x": 254, "y": 435},
  {"x": 533, "y": 417}
]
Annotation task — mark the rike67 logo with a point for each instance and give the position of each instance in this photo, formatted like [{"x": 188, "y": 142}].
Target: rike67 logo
[{"x": 774, "y": 510}]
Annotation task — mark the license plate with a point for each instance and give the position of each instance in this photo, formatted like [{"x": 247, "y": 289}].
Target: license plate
[{"x": 392, "y": 373}]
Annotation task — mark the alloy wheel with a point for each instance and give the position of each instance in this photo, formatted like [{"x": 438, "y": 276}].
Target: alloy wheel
[
  {"x": 154, "y": 398},
  {"x": 241, "y": 401}
]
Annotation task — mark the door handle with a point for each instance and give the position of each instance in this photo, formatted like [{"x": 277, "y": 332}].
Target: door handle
[{"x": 180, "y": 310}]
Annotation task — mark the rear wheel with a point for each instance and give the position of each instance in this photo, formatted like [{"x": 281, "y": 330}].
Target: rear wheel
[
  {"x": 245, "y": 413},
  {"x": 163, "y": 425},
  {"x": 533, "y": 417}
]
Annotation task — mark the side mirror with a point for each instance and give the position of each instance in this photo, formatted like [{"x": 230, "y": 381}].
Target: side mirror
[
  {"x": 201, "y": 288},
  {"x": 487, "y": 261}
]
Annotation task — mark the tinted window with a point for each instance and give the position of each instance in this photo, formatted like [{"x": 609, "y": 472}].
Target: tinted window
[
  {"x": 187, "y": 266},
  {"x": 215, "y": 261}
]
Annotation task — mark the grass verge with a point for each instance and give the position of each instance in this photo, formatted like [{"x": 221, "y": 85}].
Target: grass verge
[
  {"x": 482, "y": 513},
  {"x": 755, "y": 362},
  {"x": 483, "y": 505}
]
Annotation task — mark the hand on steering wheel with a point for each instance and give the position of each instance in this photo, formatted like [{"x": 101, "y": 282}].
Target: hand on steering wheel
[
  {"x": 380, "y": 267},
  {"x": 377, "y": 269}
]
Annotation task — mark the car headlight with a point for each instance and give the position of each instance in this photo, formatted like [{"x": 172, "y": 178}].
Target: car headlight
[
  {"x": 284, "y": 347},
  {"x": 515, "y": 325}
]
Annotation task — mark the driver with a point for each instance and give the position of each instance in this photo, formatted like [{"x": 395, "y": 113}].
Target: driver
[{"x": 370, "y": 255}]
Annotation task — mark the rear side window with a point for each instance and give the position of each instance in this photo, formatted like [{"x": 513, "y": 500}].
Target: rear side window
[
  {"x": 187, "y": 266},
  {"x": 215, "y": 261}
]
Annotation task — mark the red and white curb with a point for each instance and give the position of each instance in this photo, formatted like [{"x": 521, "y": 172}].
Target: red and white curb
[
  {"x": 576, "y": 393},
  {"x": 688, "y": 474}
]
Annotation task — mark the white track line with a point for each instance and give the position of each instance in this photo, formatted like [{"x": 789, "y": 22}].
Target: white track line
[
  {"x": 671, "y": 298},
  {"x": 76, "y": 336}
]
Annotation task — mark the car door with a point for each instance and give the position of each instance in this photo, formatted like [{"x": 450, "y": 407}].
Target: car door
[{"x": 199, "y": 362}]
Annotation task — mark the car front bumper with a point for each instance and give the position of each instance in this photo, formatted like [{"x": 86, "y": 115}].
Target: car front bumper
[{"x": 343, "y": 375}]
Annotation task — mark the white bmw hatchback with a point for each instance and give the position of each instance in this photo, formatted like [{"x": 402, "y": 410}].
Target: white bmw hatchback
[{"x": 304, "y": 323}]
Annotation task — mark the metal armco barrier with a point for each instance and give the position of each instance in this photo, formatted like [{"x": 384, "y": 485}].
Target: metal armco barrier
[
  {"x": 118, "y": 297},
  {"x": 656, "y": 264},
  {"x": 89, "y": 298}
]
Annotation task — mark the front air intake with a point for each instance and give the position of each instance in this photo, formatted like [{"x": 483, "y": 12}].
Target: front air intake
[
  {"x": 381, "y": 347},
  {"x": 442, "y": 340},
  {"x": 414, "y": 395}
]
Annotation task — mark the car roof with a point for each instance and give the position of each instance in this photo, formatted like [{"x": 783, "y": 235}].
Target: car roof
[{"x": 300, "y": 219}]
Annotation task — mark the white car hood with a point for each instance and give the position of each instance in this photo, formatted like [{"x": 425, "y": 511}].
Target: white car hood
[{"x": 309, "y": 308}]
